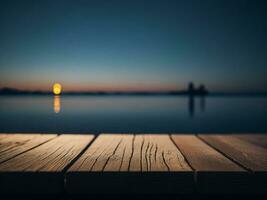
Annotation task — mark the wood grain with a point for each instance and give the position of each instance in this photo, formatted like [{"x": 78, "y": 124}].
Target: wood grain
[
  {"x": 250, "y": 156},
  {"x": 43, "y": 165},
  {"x": 15, "y": 144},
  {"x": 9, "y": 141},
  {"x": 201, "y": 156},
  {"x": 132, "y": 164},
  {"x": 131, "y": 153},
  {"x": 215, "y": 173},
  {"x": 145, "y": 163},
  {"x": 257, "y": 139}
]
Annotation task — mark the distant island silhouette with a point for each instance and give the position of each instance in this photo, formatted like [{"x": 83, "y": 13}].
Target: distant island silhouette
[{"x": 190, "y": 91}]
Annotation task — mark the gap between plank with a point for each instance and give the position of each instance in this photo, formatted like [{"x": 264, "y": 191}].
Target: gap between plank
[
  {"x": 233, "y": 160},
  {"x": 74, "y": 160},
  {"x": 194, "y": 170},
  {"x": 29, "y": 149}
]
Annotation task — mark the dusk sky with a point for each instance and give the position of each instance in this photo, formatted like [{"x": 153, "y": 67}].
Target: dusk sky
[{"x": 133, "y": 45}]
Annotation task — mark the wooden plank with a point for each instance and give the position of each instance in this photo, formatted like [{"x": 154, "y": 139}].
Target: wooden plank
[
  {"x": 11, "y": 140},
  {"x": 214, "y": 172},
  {"x": 15, "y": 144},
  {"x": 248, "y": 155},
  {"x": 130, "y": 164},
  {"x": 129, "y": 153},
  {"x": 257, "y": 139},
  {"x": 40, "y": 170},
  {"x": 201, "y": 156},
  {"x": 2, "y": 136}
]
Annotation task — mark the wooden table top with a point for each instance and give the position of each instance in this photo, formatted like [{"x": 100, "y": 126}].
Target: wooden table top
[{"x": 133, "y": 164}]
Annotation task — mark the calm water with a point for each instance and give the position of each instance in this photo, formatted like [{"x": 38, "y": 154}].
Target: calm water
[{"x": 126, "y": 114}]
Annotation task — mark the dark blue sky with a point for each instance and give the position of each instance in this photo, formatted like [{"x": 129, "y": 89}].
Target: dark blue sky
[{"x": 134, "y": 45}]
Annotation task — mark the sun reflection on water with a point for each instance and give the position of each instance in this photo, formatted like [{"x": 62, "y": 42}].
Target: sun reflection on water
[{"x": 56, "y": 103}]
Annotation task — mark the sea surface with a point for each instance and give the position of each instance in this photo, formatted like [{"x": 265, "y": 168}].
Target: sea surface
[{"x": 132, "y": 114}]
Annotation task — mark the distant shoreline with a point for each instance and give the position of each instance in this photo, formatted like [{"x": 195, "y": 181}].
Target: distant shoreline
[
  {"x": 13, "y": 92},
  {"x": 137, "y": 94}
]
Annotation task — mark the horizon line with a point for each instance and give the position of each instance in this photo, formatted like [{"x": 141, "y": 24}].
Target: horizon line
[{"x": 9, "y": 90}]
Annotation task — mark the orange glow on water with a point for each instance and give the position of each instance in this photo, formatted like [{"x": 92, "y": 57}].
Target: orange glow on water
[
  {"x": 57, "y": 88},
  {"x": 56, "y": 104}
]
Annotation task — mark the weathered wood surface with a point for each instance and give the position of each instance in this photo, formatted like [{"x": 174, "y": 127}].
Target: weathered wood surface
[
  {"x": 214, "y": 172},
  {"x": 14, "y": 140},
  {"x": 128, "y": 163},
  {"x": 15, "y": 144},
  {"x": 132, "y": 153},
  {"x": 248, "y": 155},
  {"x": 147, "y": 164},
  {"x": 257, "y": 139},
  {"x": 40, "y": 169},
  {"x": 201, "y": 156}
]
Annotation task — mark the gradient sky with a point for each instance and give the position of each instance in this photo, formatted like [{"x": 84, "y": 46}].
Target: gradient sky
[{"x": 134, "y": 45}]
